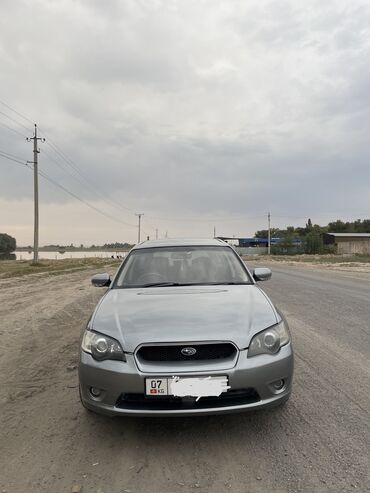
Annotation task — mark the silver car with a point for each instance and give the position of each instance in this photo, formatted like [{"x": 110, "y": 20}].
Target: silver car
[{"x": 183, "y": 329}]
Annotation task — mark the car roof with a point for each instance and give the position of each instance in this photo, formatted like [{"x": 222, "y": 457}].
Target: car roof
[{"x": 171, "y": 242}]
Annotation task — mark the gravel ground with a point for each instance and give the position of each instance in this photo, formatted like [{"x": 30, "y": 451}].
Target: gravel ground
[{"x": 319, "y": 442}]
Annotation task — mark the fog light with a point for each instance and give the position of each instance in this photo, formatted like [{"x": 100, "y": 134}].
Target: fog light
[
  {"x": 95, "y": 392},
  {"x": 279, "y": 384}
]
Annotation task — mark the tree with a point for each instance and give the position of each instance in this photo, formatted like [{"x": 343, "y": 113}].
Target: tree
[
  {"x": 7, "y": 243},
  {"x": 263, "y": 233},
  {"x": 337, "y": 226},
  {"x": 314, "y": 242}
]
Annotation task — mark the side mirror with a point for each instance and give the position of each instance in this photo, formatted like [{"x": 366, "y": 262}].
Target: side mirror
[
  {"x": 262, "y": 274},
  {"x": 101, "y": 280}
]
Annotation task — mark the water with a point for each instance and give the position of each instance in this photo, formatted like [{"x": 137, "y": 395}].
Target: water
[{"x": 77, "y": 254}]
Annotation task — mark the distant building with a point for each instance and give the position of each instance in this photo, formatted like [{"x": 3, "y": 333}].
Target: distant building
[
  {"x": 247, "y": 246},
  {"x": 257, "y": 242},
  {"x": 348, "y": 242},
  {"x": 253, "y": 246}
]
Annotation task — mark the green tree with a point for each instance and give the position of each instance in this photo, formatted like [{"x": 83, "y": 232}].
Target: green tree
[
  {"x": 309, "y": 225},
  {"x": 337, "y": 226},
  {"x": 313, "y": 242},
  {"x": 263, "y": 233},
  {"x": 287, "y": 243},
  {"x": 7, "y": 243}
]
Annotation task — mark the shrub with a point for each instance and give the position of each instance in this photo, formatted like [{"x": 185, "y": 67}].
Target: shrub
[
  {"x": 7, "y": 243},
  {"x": 314, "y": 243}
]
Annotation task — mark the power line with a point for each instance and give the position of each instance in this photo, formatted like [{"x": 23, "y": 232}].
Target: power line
[
  {"x": 12, "y": 129},
  {"x": 73, "y": 165},
  {"x": 14, "y": 121},
  {"x": 46, "y": 177},
  {"x": 16, "y": 112},
  {"x": 65, "y": 158},
  {"x": 72, "y": 194},
  {"x": 78, "y": 176},
  {"x": 87, "y": 182},
  {"x": 68, "y": 161},
  {"x": 62, "y": 155},
  {"x": 13, "y": 159},
  {"x": 50, "y": 180},
  {"x": 13, "y": 155},
  {"x": 63, "y": 166}
]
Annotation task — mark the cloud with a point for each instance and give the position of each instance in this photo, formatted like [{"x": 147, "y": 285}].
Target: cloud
[{"x": 211, "y": 109}]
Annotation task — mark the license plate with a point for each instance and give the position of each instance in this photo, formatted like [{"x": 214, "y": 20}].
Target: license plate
[
  {"x": 156, "y": 386},
  {"x": 186, "y": 386}
]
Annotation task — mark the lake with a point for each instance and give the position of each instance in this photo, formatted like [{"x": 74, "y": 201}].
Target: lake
[{"x": 77, "y": 254}]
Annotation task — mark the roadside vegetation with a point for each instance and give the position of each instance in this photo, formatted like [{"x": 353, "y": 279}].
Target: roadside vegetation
[
  {"x": 312, "y": 259},
  {"x": 19, "y": 268},
  {"x": 7, "y": 244},
  {"x": 112, "y": 247},
  {"x": 309, "y": 240}
]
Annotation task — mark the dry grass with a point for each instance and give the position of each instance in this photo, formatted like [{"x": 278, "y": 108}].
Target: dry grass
[
  {"x": 346, "y": 263},
  {"x": 18, "y": 268},
  {"x": 312, "y": 259}
]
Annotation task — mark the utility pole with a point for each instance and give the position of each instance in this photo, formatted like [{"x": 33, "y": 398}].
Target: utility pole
[
  {"x": 139, "y": 216},
  {"x": 214, "y": 231},
  {"x": 269, "y": 234},
  {"x": 35, "y": 194},
  {"x": 156, "y": 234}
]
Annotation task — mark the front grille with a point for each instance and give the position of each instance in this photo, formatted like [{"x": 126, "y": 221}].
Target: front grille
[
  {"x": 231, "y": 398},
  {"x": 173, "y": 352}
]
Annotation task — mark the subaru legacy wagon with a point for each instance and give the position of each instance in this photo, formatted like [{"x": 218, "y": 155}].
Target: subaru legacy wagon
[{"x": 184, "y": 329}]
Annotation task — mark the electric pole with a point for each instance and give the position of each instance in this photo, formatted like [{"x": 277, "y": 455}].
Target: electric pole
[
  {"x": 156, "y": 234},
  {"x": 35, "y": 194},
  {"x": 139, "y": 216},
  {"x": 214, "y": 231},
  {"x": 269, "y": 234}
]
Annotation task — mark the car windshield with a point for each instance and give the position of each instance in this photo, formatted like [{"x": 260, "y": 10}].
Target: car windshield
[{"x": 181, "y": 266}]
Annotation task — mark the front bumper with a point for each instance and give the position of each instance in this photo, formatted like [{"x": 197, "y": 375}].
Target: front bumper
[{"x": 253, "y": 376}]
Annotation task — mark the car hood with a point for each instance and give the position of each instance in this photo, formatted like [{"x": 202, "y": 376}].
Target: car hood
[{"x": 184, "y": 314}]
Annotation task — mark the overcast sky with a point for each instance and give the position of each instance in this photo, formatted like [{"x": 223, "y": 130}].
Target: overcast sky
[{"x": 198, "y": 113}]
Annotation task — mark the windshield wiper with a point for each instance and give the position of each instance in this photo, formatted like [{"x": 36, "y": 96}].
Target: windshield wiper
[{"x": 169, "y": 284}]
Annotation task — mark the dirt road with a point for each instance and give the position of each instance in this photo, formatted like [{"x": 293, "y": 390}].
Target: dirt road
[{"x": 319, "y": 442}]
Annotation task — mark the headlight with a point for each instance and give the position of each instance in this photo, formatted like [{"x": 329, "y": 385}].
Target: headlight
[
  {"x": 102, "y": 347},
  {"x": 269, "y": 341}
]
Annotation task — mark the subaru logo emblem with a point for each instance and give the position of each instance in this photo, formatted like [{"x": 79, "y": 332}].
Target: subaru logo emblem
[{"x": 188, "y": 351}]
